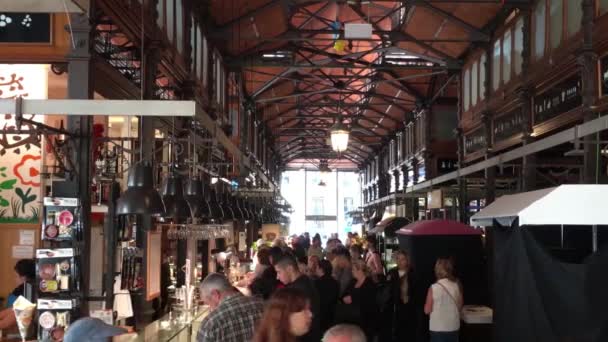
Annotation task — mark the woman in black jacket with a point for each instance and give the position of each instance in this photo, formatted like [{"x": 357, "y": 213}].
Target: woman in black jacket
[
  {"x": 402, "y": 312},
  {"x": 360, "y": 300}
]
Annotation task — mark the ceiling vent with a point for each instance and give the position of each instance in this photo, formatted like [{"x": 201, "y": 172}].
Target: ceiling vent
[{"x": 358, "y": 31}]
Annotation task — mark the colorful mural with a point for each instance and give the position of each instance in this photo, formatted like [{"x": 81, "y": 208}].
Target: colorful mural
[{"x": 20, "y": 154}]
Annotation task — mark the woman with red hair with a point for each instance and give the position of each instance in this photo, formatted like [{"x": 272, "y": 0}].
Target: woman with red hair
[{"x": 287, "y": 316}]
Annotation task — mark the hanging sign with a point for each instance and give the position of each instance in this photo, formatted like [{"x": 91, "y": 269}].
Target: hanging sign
[
  {"x": 32, "y": 28},
  {"x": 508, "y": 125},
  {"x": 562, "y": 98},
  {"x": 475, "y": 141}
]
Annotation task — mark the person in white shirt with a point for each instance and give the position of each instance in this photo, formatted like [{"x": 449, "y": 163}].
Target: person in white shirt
[{"x": 443, "y": 303}]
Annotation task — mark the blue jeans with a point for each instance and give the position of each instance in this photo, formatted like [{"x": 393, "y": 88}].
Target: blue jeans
[{"x": 449, "y": 336}]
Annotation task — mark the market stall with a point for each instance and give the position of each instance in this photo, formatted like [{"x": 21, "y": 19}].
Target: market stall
[
  {"x": 427, "y": 240},
  {"x": 539, "y": 296},
  {"x": 386, "y": 237}
]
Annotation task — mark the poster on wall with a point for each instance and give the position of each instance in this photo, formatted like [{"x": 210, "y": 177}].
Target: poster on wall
[{"x": 20, "y": 154}]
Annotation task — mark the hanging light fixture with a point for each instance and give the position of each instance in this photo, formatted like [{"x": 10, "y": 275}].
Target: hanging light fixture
[
  {"x": 339, "y": 136},
  {"x": 339, "y": 133},
  {"x": 140, "y": 198},
  {"x": 193, "y": 192},
  {"x": 176, "y": 206},
  {"x": 325, "y": 171}
]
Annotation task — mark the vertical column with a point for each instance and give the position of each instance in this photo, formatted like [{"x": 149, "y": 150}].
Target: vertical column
[
  {"x": 588, "y": 63},
  {"x": 525, "y": 94},
  {"x": 490, "y": 173},
  {"x": 80, "y": 87},
  {"x": 462, "y": 182}
]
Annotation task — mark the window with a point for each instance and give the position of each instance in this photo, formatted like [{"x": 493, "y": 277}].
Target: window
[
  {"x": 474, "y": 84},
  {"x": 555, "y": 22},
  {"x": 160, "y": 8},
  {"x": 539, "y": 30},
  {"x": 506, "y": 57},
  {"x": 205, "y": 62},
  {"x": 199, "y": 51},
  {"x": 195, "y": 52},
  {"x": 179, "y": 21},
  {"x": 603, "y": 5},
  {"x": 575, "y": 16},
  {"x": 171, "y": 20},
  {"x": 467, "y": 89},
  {"x": 496, "y": 65},
  {"x": 518, "y": 46},
  {"x": 482, "y": 77}
]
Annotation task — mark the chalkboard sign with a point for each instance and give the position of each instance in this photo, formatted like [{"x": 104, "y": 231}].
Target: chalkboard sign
[
  {"x": 475, "y": 141},
  {"x": 562, "y": 98},
  {"x": 25, "y": 28},
  {"x": 508, "y": 125}
]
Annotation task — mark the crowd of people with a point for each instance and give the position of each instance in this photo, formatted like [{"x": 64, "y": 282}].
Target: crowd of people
[{"x": 303, "y": 292}]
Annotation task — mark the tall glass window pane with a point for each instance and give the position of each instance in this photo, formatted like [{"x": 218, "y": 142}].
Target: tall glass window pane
[
  {"x": 179, "y": 24},
  {"x": 194, "y": 48},
  {"x": 205, "y": 62},
  {"x": 199, "y": 51},
  {"x": 556, "y": 21},
  {"x": 160, "y": 8},
  {"x": 496, "y": 65},
  {"x": 518, "y": 46},
  {"x": 466, "y": 89},
  {"x": 506, "y": 57},
  {"x": 603, "y": 4},
  {"x": 171, "y": 19},
  {"x": 539, "y": 30},
  {"x": 474, "y": 85},
  {"x": 482, "y": 77},
  {"x": 575, "y": 15}
]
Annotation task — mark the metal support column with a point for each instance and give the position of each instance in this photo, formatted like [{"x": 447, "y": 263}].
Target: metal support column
[
  {"x": 462, "y": 181},
  {"x": 80, "y": 87},
  {"x": 587, "y": 61},
  {"x": 490, "y": 173}
]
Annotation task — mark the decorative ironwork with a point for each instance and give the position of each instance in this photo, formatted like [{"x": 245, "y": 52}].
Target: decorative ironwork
[{"x": 122, "y": 54}]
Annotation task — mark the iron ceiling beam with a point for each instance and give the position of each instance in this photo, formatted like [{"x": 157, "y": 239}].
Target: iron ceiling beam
[
  {"x": 475, "y": 34},
  {"x": 272, "y": 81},
  {"x": 227, "y": 25}
]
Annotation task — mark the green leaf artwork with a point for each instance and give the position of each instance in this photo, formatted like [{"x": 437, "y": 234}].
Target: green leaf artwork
[
  {"x": 4, "y": 202},
  {"x": 25, "y": 197},
  {"x": 8, "y": 184}
]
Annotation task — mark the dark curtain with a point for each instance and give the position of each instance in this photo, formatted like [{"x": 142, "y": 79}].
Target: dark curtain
[{"x": 538, "y": 298}]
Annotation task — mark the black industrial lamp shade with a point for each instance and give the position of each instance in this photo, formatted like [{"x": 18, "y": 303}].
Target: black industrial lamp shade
[
  {"x": 246, "y": 213},
  {"x": 227, "y": 208},
  {"x": 140, "y": 198},
  {"x": 176, "y": 206},
  {"x": 216, "y": 212},
  {"x": 238, "y": 211},
  {"x": 193, "y": 192}
]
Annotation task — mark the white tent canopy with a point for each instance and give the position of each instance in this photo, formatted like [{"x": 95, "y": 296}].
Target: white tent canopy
[{"x": 583, "y": 204}]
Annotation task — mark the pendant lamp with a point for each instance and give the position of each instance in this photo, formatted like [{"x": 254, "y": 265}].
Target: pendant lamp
[
  {"x": 238, "y": 211},
  {"x": 227, "y": 208},
  {"x": 339, "y": 137},
  {"x": 217, "y": 214},
  {"x": 193, "y": 192},
  {"x": 141, "y": 197},
  {"x": 247, "y": 214},
  {"x": 176, "y": 206}
]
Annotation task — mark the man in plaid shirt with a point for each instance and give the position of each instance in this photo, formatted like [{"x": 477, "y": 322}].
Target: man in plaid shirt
[{"x": 233, "y": 317}]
